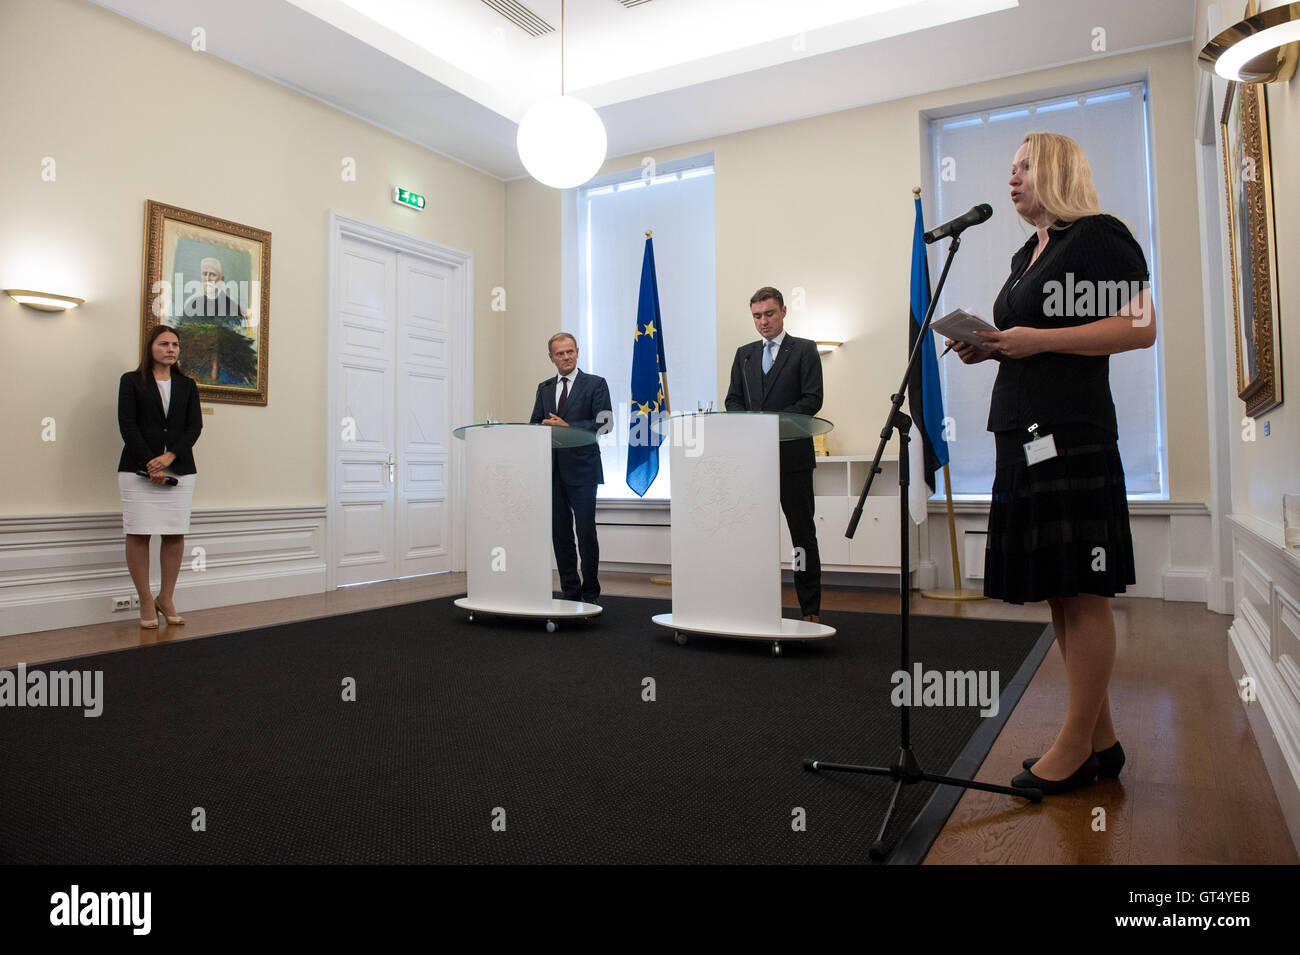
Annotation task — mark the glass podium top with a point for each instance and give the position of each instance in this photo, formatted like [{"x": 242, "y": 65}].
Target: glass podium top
[
  {"x": 790, "y": 426},
  {"x": 561, "y": 437}
]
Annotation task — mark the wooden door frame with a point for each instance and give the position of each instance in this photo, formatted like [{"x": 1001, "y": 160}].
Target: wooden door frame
[{"x": 460, "y": 369}]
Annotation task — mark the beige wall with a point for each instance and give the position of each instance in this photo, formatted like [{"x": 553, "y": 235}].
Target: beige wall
[
  {"x": 1268, "y": 467},
  {"x": 533, "y": 288},
  {"x": 825, "y": 203},
  {"x": 129, "y": 115},
  {"x": 799, "y": 204}
]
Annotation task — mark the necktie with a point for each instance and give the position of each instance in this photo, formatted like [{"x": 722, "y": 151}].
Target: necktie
[
  {"x": 767, "y": 355},
  {"x": 564, "y": 398}
]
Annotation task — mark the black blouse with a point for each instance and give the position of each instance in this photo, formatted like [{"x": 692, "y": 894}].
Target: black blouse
[{"x": 1089, "y": 270}]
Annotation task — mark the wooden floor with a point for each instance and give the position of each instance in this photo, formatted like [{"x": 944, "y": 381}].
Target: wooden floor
[{"x": 1194, "y": 790}]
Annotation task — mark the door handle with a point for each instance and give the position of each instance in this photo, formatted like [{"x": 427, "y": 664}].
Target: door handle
[{"x": 392, "y": 464}]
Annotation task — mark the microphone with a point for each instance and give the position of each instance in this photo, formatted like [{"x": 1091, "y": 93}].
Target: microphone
[
  {"x": 744, "y": 377},
  {"x": 955, "y": 227},
  {"x": 167, "y": 479}
]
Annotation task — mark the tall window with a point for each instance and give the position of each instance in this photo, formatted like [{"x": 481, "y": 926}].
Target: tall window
[
  {"x": 675, "y": 202},
  {"x": 971, "y": 159}
]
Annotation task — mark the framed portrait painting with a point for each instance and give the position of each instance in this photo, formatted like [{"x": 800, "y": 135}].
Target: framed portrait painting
[
  {"x": 1252, "y": 243},
  {"x": 210, "y": 280}
]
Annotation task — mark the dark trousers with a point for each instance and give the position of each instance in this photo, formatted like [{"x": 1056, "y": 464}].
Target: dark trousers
[
  {"x": 797, "y": 503},
  {"x": 575, "y": 507}
]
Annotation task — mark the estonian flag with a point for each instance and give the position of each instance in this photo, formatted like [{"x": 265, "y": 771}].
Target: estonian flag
[
  {"x": 928, "y": 449},
  {"x": 648, "y": 369}
]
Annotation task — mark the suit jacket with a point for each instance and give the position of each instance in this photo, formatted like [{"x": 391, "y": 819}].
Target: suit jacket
[
  {"x": 147, "y": 432},
  {"x": 794, "y": 383},
  {"x": 589, "y": 408}
]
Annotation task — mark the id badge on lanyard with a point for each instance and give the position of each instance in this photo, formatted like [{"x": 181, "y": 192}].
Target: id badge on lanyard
[{"x": 1040, "y": 448}]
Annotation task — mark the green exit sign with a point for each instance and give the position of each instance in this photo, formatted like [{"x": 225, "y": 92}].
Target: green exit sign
[{"x": 406, "y": 197}]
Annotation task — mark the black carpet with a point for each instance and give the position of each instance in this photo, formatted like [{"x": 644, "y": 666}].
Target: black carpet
[{"x": 456, "y": 725}]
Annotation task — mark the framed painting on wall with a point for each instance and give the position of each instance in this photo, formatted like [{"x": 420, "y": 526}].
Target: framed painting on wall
[
  {"x": 210, "y": 280},
  {"x": 1252, "y": 246}
]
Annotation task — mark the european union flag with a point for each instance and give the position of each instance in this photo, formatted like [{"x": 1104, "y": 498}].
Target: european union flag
[{"x": 649, "y": 398}]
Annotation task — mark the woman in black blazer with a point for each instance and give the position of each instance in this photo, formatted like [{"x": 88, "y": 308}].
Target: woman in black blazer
[{"x": 159, "y": 416}]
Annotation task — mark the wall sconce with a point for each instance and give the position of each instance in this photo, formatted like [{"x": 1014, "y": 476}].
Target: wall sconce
[
  {"x": 825, "y": 348},
  {"x": 44, "y": 301},
  {"x": 1260, "y": 49}
]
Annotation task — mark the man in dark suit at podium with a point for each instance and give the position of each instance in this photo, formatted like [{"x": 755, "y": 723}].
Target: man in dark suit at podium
[
  {"x": 572, "y": 399},
  {"x": 784, "y": 373}
]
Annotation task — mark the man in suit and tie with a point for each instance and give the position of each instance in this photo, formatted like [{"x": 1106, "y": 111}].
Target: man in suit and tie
[
  {"x": 572, "y": 399},
  {"x": 784, "y": 373}
]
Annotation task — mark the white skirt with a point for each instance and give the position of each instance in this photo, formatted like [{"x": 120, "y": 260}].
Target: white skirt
[{"x": 148, "y": 508}]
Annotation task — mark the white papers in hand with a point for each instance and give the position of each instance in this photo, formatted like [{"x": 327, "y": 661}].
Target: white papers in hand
[{"x": 961, "y": 325}]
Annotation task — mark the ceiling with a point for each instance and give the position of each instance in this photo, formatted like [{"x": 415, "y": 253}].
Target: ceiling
[{"x": 456, "y": 75}]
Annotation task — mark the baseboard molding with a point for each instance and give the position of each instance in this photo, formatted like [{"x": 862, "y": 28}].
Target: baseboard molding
[
  {"x": 64, "y": 570},
  {"x": 1264, "y": 644},
  {"x": 1219, "y": 597},
  {"x": 1273, "y": 721},
  {"x": 1186, "y": 584},
  {"x": 623, "y": 567}
]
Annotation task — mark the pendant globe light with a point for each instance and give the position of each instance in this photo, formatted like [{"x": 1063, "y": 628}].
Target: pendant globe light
[{"x": 561, "y": 140}]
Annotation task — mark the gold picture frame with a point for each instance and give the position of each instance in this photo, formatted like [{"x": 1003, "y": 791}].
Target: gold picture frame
[
  {"x": 1248, "y": 186},
  {"x": 210, "y": 280}
]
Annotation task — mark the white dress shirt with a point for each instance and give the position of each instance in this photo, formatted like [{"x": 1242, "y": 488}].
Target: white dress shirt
[
  {"x": 165, "y": 392},
  {"x": 559, "y": 386},
  {"x": 775, "y": 350}
]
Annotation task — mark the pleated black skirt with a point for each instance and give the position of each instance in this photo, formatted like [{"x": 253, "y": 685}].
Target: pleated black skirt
[{"x": 1059, "y": 528}]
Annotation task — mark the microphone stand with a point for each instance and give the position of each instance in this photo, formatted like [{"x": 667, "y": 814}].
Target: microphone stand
[{"x": 906, "y": 769}]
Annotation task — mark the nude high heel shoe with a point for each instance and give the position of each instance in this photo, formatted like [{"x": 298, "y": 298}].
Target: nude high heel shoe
[{"x": 176, "y": 621}]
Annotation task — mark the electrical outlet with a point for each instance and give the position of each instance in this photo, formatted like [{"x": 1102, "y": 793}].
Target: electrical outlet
[
  {"x": 135, "y": 601},
  {"x": 122, "y": 603}
]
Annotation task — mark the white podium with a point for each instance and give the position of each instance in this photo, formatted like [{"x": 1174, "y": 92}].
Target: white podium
[
  {"x": 508, "y": 521},
  {"x": 726, "y": 514}
]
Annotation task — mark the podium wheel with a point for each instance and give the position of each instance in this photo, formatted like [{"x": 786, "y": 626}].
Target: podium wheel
[
  {"x": 776, "y": 649},
  {"x": 469, "y": 619},
  {"x": 550, "y": 626},
  {"x": 679, "y": 638}
]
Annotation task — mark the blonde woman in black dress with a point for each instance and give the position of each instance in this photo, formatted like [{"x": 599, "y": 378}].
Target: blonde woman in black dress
[
  {"x": 159, "y": 416},
  {"x": 1058, "y": 522}
]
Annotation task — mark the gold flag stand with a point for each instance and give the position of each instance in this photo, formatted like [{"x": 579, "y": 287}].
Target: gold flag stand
[{"x": 955, "y": 592}]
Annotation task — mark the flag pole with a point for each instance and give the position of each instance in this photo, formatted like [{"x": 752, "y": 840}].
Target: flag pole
[
  {"x": 956, "y": 591},
  {"x": 952, "y": 526},
  {"x": 663, "y": 580},
  {"x": 663, "y": 375}
]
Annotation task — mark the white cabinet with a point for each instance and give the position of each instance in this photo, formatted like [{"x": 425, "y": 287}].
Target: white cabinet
[{"x": 837, "y": 482}]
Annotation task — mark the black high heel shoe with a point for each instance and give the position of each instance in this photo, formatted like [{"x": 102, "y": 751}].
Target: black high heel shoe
[
  {"x": 1111, "y": 759},
  {"x": 1082, "y": 776}
]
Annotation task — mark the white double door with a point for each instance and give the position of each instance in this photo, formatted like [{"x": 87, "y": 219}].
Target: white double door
[{"x": 394, "y": 314}]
